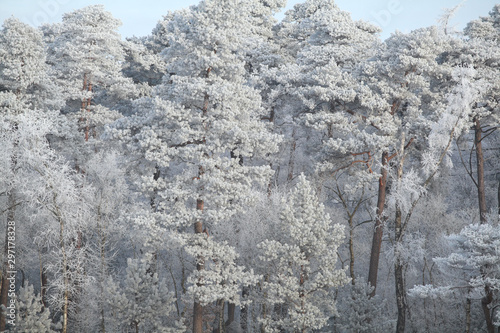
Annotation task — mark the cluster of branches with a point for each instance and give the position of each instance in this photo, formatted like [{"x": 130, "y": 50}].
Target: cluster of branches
[{"x": 232, "y": 173}]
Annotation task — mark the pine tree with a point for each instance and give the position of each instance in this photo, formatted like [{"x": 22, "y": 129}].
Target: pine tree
[
  {"x": 472, "y": 268},
  {"x": 86, "y": 55},
  {"x": 143, "y": 302},
  {"x": 32, "y": 316},
  {"x": 195, "y": 133},
  {"x": 24, "y": 88},
  {"x": 301, "y": 264}
]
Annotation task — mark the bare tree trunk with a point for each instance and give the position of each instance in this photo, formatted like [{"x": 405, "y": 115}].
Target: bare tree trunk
[
  {"x": 219, "y": 325},
  {"x": 378, "y": 231},
  {"x": 481, "y": 193},
  {"x": 264, "y": 306},
  {"x": 43, "y": 289},
  {"x": 198, "y": 308},
  {"x": 483, "y": 211},
  {"x": 485, "y": 302},
  {"x": 66, "y": 295},
  {"x": 303, "y": 279},
  {"x": 231, "y": 309},
  {"x": 398, "y": 239},
  {"x": 102, "y": 247},
  {"x": 351, "y": 250},
  {"x": 399, "y": 276},
  {"x": 87, "y": 87},
  {"x": 467, "y": 315},
  {"x": 291, "y": 161},
  {"x": 244, "y": 311}
]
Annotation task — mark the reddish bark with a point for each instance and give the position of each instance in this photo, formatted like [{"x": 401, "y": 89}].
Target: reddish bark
[{"x": 378, "y": 231}]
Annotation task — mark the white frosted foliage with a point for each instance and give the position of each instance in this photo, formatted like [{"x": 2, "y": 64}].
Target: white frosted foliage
[
  {"x": 302, "y": 264},
  {"x": 223, "y": 278},
  {"x": 142, "y": 301},
  {"x": 23, "y": 56},
  {"x": 202, "y": 131},
  {"x": 455, "y": 119},
  {"x": 32, "y": 316},
  {"x": 473, "y": 265}
]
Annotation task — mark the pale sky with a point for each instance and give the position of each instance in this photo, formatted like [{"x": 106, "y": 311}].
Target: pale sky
[{"x": 140, "y": 17}]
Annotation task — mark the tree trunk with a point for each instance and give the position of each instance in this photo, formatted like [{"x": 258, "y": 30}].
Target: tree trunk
[
  {"x": 378, "y": 231},
  {"x": 87, "y": 87},
  {"x": 481, "y": 194},
  {"x": 102, "y": 247},
  {"x": 291, "y": 161},
  {"x": 244, "y": 311},
  {"x": 483, "y": 211},
  {"x": 219, "y": 325},
  {"x": 485, "y": 302},
  {"x": 198, "y": 308},
  {"x": 66, "y": 295},
  {"x": 399, "y": 277},
  {"x": 231, "y": 309},
  {"x": 43, "y": 280},
  {"x": 467, "y": 315},
  {"x": 351, "y": 250},
  {"x": 43, "y": 289}
]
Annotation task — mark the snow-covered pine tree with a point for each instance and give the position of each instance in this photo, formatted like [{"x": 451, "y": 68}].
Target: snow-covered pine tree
[
  {"x": 24, "y": 88},
  {"x": 32, "y": 316},
  {"x": 480, "y": 50},
  {"x": 142, "y": 302},
  {"x": 301, "y": 264},
  {"x": 472, "y": 270},
  {"x": 396, "y": 95},
  {"x": 23, "y": 70},
  {"x": 54, "y": 197},
  {"x": 86, "y": 55},
  {"x": 362, "y": 313},
  {"x": 203, "y": 121}
]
